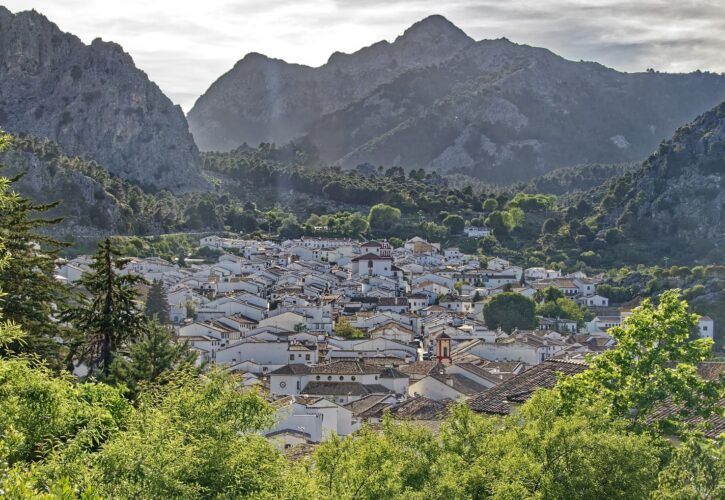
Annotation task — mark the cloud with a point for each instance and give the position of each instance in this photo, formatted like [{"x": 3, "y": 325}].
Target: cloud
[{"x": 184, "y": 45}]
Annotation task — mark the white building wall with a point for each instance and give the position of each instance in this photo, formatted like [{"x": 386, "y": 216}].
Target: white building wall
[{"x": 433, "y": 389}]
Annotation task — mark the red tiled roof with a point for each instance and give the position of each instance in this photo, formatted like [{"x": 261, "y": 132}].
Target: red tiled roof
[{"x": 518, "y": 389}]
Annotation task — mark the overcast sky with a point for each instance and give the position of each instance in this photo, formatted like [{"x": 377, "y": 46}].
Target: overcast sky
[{"x": 184, "y": 45}]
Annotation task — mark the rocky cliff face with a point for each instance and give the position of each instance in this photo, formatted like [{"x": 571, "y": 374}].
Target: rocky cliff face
[
  {"x": 680, "y": 190},
  {"x": 94, "y": 102},
  {"x": 263, "y": 99},
  {"x": 89, "y": 212},
  {"x": 436, "y": 99}
]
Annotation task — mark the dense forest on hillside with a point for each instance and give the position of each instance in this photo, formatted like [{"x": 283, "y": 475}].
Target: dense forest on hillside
[
  {"x": 262, "y": 191},
  {"x": 567, "y": 180}
]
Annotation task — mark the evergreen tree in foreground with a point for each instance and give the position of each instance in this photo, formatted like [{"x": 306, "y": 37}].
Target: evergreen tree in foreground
[
  {"x": 109, "y": 318},
  {"x": 28, "y": 279},
  {"x": 157, "y": 303},
  {"x": 150, "y": 358}
]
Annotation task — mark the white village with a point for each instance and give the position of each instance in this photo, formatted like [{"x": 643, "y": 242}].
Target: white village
[{"x": 336, "y": 332}]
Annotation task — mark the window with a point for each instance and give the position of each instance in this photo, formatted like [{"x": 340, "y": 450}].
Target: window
[
  {"x": 283, "y": 384},
  {"x": 352, "y": 378},
  {"x": 342, "y": 378},
  {"x": 329, "y": 377},
  {"x": 291, "y": 357},
  {"x": 317, "y": 377},
  {"x": 307, "y": 357}
]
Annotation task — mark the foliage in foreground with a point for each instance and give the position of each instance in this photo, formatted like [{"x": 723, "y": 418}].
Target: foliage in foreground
[{"x": 195, "y": 438}]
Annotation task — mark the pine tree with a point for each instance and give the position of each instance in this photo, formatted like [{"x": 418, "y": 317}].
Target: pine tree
[
  {"x": 150, "y": 357},
  {"x": 28, "y": 279},
  {"x": 10, "y": 333},
  {"x": 109, "y": 318},
  {"x": 157, "y": 303}
]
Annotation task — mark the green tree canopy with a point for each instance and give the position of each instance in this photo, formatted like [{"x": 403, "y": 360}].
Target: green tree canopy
[
  {"x": 344, "y": 329},
  {"x": 654, "y": 361},
  {"x": 151, "y": 358},
  {"x": 454, "y": 223},
  {"x": 28, "y": 279},
  {"x": 383, "y": 217},
  {"x": 490, "y": 205},
  {"x": 564, "y": 308},
  {"x": 510, "y": 311}
]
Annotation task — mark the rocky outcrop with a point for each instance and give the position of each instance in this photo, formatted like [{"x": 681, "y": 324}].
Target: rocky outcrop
[
  {"x": 679, "y": 193},
  {"x": 93, "y": 101},
  {"x": 436, "y": 99},
  {"x": 88, "y": 211}
]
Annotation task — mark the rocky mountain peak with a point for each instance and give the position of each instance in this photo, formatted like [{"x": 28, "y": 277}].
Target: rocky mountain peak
[
  {"x": 94, "y": 102},
  {"x": 436, "y": 99},
  {"x": 434, "y": 29}
]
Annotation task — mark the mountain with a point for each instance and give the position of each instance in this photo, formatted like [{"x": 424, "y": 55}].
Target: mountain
[
  {"x": 94, "y": 102},
  {"x": 678, "y": 195},
  {"x": 262, "y": 99},
  {"x": 93, "y": 202},
  {"x": 435, "y": 98}
]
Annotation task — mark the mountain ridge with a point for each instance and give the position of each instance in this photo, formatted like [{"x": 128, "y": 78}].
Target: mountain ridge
[
  {"x": 487, "y": 108},
  {"x": 294, "y": 92},
  {"x": 94, "y": 101}
]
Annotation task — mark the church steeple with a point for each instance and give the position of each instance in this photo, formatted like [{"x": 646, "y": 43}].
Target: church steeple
[{"x": 385, "y": 248}]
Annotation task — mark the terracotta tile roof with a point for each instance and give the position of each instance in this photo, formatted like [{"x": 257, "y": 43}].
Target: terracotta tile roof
[
  {"x": 335, "y": 389},
  {"x": 292, "y": 369},
  {"x": 419, "y": 367},
  {"x": 375, "y": 411},
  {"x": 459, "y": 382},
  {"x": 346, "y": 368},
  {"x": 291, "y": 432},
  {"x": 712, "y": 426},
  {"x": 392, "y": 373},
  {"x": 393, "y": 301},
  {"x": 475, "y": 369},
  {"x": 299, "y": 452},
  {"x": 371, "y": 256},
  {"x": 711, "y": 370},
  {"x": 420, "y": 408},
  {"x": 365, "y": 403},
  {"x": 520, "y": 388}
]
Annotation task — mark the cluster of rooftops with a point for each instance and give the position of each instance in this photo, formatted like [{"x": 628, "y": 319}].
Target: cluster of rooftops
[{"x": 337, "y": 331}]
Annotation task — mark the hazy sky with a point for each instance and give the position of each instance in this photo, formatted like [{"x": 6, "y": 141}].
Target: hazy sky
[{"x": 184, "y": 45}]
